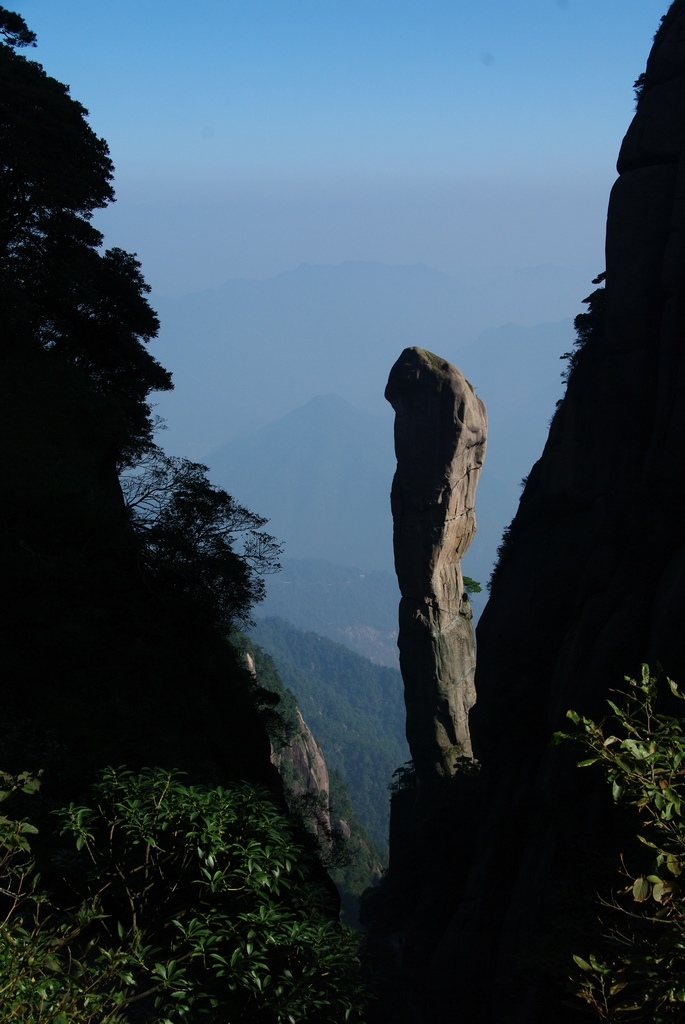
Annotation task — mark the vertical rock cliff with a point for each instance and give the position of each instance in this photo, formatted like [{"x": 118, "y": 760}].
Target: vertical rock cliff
[
  {"x": 590, "y": 583},
  {"x": 592, "y": 575},
  {"x": 440, "y": 433}
]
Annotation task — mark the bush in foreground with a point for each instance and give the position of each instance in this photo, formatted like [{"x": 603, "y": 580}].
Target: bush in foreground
[
  {"x": 639, "y": 975},
  {"x": 188, "y": 903}
]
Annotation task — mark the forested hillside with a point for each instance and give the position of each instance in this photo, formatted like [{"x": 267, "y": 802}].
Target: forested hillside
[
  {"x": 350, "y": 606},
  {"x": 317, "y": 796},
  {"x": 355, "y": 709}
]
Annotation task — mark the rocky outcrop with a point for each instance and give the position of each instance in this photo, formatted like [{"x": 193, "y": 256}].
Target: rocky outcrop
[
  {"x": 301, "y": 762},
  {"x": 308, "y": 763},
  {"x": 591, "y": 582},
  {"x": 440, "y": 433}
]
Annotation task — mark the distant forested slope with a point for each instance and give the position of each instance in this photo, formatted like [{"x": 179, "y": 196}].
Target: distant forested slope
[
  {"x": 345, "y": 847},
  {"x": 353, "y": 607},
  {"x": 354, "y": 708}
]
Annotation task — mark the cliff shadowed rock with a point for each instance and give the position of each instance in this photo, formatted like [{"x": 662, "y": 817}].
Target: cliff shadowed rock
[{"x": 104, "y": 668}]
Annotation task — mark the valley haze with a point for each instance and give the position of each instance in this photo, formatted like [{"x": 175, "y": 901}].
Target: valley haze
[
  {"x": 288, "y": 375},
  {"x": 313, "y": 187}
]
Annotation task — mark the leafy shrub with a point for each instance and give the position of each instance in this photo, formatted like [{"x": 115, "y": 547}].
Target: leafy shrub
[
  {"x": 471, "y": 586},
  {"x": 640, "y": 975},
  {"x": 192, "y": 903}
]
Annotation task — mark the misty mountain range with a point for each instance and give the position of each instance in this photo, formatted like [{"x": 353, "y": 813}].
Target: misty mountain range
[{"x": 279, "y": 389}]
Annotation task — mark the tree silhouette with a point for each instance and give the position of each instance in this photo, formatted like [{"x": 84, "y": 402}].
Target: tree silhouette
[
  {"x": 58, "y": 292},
  {"x": 196, "y": 539}
]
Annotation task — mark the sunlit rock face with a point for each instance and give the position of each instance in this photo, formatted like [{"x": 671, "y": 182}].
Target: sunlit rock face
[
  {"x": 306, "y": 757},
  {"x": 309, "y": 768},
  {"x": 440, "y": 434}
]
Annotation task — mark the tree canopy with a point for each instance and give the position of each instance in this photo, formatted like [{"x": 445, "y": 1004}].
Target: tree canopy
[
  {"x": 58, "y": 291},
  {"x": 197, "y": 539}
]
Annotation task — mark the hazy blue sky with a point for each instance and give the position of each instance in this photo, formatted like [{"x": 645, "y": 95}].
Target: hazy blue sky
[{"x": 251, "y": 135}]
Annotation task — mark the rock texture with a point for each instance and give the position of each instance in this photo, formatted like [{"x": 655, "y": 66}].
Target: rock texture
[
  {"x": 306, "y": 757},
  {"x": 440, "y": 433},
  {"x": 308, "y": 771}
]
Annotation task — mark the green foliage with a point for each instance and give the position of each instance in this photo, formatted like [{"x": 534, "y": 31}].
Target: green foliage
[
  {"x": 503, "y": 552},
  {"x": 472, "y": 586},
  {"x": 640, "y": 975},
  {"x": 59, "y": 294},
  {"x": 14, "y": 29},
  {"x": 276, "y": 705},
  {"x": 404, "y": 777},
  {"x": 196, "y": 539},
  {"x": 362, "y": 863},
  {"x": 192, "y": 904}
]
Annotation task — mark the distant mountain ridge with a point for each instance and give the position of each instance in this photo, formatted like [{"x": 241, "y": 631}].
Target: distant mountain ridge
[
  {"x": 320, "y": 465},
  {"x": 250, "y": 351},
  {"x": 293, "y": 336},
  {"x": 356, "y": 608},
  {"x": 322, "y": 475}
]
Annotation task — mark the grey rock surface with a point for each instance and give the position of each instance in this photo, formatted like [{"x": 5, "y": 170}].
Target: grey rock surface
[{"x": 440, "y": 436}]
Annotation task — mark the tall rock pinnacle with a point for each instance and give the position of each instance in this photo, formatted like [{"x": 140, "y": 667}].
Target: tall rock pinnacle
[{"x": 440, "y": 432}]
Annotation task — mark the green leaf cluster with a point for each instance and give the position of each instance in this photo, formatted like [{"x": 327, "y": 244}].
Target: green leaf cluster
[
  {"x": 640, "y": 974},
  {"x": 472, "y": 586},
  {"x": 193, "y": 904}
]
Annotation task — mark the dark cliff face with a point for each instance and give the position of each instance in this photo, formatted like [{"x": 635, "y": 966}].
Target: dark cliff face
[
  {"x": 593, "y": 578},
  {"x": 98, "y": 668},
  {"x": 591, "y": 583}
]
